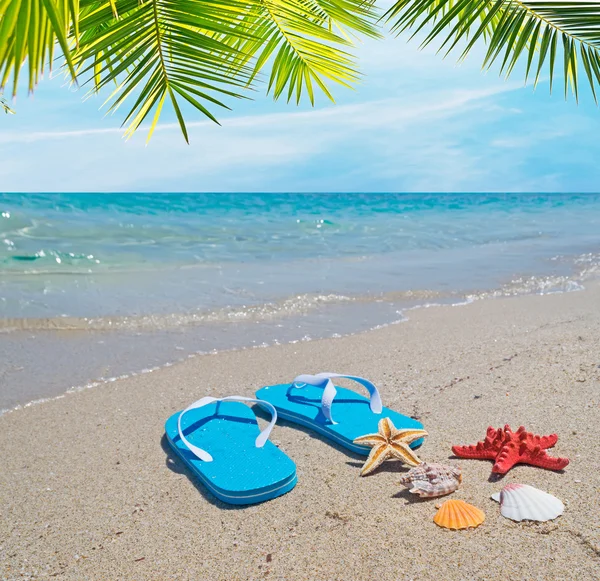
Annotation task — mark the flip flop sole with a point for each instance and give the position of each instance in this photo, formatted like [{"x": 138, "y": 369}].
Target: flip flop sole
[{"x": 240, "y": 473}]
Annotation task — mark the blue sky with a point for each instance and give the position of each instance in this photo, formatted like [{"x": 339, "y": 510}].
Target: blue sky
[{"x": 416, "y": 122}]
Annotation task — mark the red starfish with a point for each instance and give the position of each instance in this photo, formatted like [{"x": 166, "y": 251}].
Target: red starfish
[{"x": 508, "y": 448}]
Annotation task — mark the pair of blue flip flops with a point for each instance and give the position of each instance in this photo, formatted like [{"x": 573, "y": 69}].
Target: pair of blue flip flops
[{"x": 219, "y": 440}]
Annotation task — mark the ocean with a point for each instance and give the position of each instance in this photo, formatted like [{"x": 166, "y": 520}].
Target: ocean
[{"x": 96, "y": 286}]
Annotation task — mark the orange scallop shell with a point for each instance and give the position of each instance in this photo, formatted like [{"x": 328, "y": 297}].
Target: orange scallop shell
[{"x": 457, "y": 514}]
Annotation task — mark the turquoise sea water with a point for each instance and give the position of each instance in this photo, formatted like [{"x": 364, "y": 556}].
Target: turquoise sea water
[{"x": 142, "y": 279}]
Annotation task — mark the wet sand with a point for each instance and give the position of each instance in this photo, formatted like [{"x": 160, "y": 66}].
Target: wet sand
[{"x": 89, "y": 490}]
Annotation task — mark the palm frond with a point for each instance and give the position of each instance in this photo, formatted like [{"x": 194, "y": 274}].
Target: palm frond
[
  {"x": 535, "y": 32},
  {"x": 306, "y": 43},
  {"x": 29, "y": 31},
  {"x": 160, "y": 50}
]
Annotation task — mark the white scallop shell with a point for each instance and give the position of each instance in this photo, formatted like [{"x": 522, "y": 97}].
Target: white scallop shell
[{"x": 523, "y": 502}]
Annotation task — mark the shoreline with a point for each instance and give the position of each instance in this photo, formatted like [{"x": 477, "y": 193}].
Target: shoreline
[
  {"x": 88, "y": 492},
  {"x": 86, "y": 352}
]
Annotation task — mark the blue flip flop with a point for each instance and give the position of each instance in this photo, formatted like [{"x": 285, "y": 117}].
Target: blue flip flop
[
  {"x": 309, "y": 399},
  {"x": 220, "y": 442}
]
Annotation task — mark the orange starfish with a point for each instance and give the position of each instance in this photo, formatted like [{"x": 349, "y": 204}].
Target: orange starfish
[{"x": 389, "y": 443}]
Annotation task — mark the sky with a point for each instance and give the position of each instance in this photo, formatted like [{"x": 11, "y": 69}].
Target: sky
[{"x": 415, "y": 122}]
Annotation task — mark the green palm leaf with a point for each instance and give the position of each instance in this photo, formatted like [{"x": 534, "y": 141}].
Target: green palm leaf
[
  {"x": 302, "y": 41},
  {"x": 534, "y": 32},
  {"x": 160, "y": 50},
  {"x": 29, "y": 31}
]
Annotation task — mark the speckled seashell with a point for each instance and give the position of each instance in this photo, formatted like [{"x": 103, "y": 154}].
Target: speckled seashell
[
  {"x": 431, "y": 480},
  {"x": 523, "y": 502},
  {"x": 457, "y": 514}
]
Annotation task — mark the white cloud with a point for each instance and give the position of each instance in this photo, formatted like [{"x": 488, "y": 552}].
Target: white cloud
[
  {"x": 368, "y": 114},
  {"x": 528, "y": 140},
  {"x": 235, "y": 156}
]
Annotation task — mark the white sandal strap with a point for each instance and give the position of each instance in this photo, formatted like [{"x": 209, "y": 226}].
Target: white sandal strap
[
  {"x": 261, "y": 440},
  {"x": 323, "y": 380}
]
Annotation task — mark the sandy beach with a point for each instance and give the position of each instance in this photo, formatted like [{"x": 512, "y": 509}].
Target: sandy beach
[{"x": 89, "y": 490}]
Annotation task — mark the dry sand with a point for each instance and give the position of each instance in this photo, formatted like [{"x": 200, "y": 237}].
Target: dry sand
[{"x": 88, "y": 489}]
